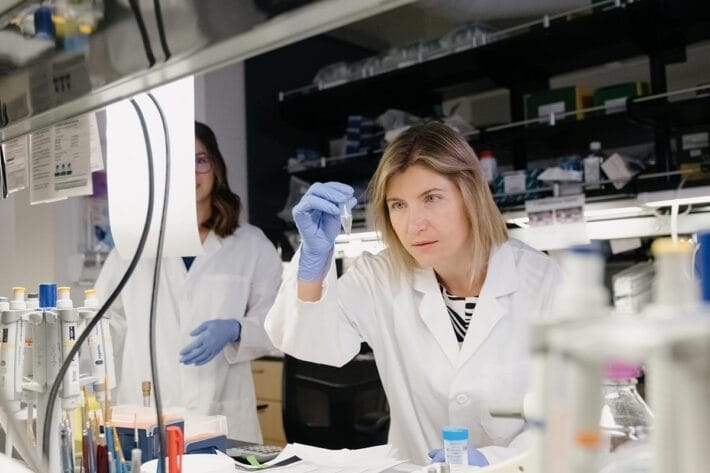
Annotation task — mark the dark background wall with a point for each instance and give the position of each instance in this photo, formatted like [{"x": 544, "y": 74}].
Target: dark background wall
[{"x": 271, "y": 140}]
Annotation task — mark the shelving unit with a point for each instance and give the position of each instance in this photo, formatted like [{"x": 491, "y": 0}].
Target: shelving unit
[
  {"x": 523, "y": 60},
  {"x": 620, "y": 128},
  {"x": 677, "y": 114}
]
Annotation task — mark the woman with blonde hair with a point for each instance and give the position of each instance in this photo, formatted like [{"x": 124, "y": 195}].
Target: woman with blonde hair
[{"x": 445, "y": 307}]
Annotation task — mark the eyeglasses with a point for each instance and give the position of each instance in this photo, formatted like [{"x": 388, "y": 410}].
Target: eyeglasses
[{"x": 203, "y": 163}]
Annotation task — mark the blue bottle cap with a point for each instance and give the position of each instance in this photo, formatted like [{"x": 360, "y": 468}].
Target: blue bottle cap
[
  {"x": 593, "y": 248},
  {"x": 44, "y": 27},
  {"x": 452, "y": 432},
  {"x": 704, "y": 257},
  {"x": 47, "y": 295}
]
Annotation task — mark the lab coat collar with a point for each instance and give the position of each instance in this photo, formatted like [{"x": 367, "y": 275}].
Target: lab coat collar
[
  {"x": 501, "y": 280},
  {"x": 434, "y": 314},
  {"x": 502, "y": 277},
  {"x": 211, "y": 245}
]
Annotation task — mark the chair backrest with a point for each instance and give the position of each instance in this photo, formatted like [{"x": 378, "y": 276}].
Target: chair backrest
[{"x": 334, "y": 407}]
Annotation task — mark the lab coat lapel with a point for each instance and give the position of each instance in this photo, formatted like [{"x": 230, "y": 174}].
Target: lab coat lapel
[
  {"x": 210, "y": 247},
  {"x": 174, "y": 284},
  {"x": 501, "y": 281},
  {"x": 433, "y": 312}
]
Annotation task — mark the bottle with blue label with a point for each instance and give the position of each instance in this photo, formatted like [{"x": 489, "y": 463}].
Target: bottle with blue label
[{"x": 455, "y": 445}]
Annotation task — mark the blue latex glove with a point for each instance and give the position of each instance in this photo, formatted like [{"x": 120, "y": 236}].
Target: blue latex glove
[
  {"x": 317, "y": 217},
  {"x": 475, "y": 457},
  {"x": 212, "y": 337}
]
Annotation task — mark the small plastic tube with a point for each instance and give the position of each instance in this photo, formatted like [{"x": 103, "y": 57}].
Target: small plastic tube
[
  {"x": 146, "y": 387},
  {"x": 346, "y": 218},
  {"x": 455, "y": 445},
  {"x": 136, "y": 460}
]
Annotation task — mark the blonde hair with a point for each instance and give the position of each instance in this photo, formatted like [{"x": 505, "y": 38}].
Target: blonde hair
[{"x": 439, "y": 148}]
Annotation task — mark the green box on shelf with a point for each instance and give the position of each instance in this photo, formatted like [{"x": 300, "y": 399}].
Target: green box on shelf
[
  {"x": 565, "y": 99},
  {"x": 613, "y": 97}
]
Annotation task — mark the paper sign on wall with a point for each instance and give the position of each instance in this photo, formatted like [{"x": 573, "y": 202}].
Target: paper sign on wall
[
  {"x": 60, "y": 158},
  {"x": 556, "y": 222},
  {"x": 15, "y": 155}
]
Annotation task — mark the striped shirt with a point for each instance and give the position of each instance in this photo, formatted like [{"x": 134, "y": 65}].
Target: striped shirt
[{"x": 460, "y": 312}]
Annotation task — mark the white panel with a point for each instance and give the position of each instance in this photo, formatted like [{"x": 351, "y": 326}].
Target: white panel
[{"x": 127, "y": 172}]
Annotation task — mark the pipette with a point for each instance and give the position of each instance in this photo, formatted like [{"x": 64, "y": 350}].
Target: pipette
[
  {"x": 65, "y": 438},
  {"x": 346, "y": 218}
]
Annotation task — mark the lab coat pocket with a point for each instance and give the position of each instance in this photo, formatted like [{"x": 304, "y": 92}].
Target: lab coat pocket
[{"x": 506, "y": 386}]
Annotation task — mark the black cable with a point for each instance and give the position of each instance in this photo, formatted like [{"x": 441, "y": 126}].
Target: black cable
[
  {"x": 144, "y": 32},
  {"x": 99, "y": 315},
  {"x": 161, "y": 29},
  {"x": 154, "y": 302},
  {"x": 3, "y": 176}
]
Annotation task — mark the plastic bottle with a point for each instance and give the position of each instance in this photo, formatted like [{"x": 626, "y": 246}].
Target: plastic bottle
[
  {"x": 489, "y": 165},
  {"x": 625, "y": 415},
  {"x": 704, "y": 258},
  {"x": 592, "y": 165},
  {"x": 669, "y": 448},
  {"x": 455, "y": 445},
  {"x": 566, "y": 431}
]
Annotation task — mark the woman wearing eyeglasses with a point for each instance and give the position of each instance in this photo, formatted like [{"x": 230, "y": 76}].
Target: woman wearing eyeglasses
[{"x": 214, "y": 303}]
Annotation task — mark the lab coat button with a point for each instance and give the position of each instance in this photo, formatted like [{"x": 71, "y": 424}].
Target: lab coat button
[{"x": 462, "y": 399}]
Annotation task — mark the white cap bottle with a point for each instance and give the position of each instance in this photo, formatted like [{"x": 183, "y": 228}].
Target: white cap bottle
[{"x": 489, "y": 165}]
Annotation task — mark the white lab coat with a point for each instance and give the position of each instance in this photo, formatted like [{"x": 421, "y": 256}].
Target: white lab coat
[
  {"x": 430, "y": 382},
  {"x": 237, "y": 277}
]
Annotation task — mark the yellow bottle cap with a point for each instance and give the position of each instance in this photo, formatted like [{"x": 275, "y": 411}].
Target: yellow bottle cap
[
  {"x": 18, "y": 289},
  {"x": 90, "y": 292},
  {"x": 667, "y": 245}
]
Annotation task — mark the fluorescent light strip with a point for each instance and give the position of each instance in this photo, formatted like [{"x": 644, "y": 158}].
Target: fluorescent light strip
[
  {"x": 361, "y": 236},
  {"x": 689, "y": 196},
  {"x": 523, "y": 222},
  {"x": 685, "y": 201},
  {"x": 613, "y": 212}
]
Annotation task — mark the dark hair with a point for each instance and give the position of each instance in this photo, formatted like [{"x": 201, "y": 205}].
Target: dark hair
[{"x": 226, "y": 205}]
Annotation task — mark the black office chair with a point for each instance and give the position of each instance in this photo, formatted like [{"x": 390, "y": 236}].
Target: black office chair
[{"x": 334, "y": 407}]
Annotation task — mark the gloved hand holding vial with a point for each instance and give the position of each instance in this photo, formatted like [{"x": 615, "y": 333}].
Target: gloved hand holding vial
[{"x": 318, "y": 217}]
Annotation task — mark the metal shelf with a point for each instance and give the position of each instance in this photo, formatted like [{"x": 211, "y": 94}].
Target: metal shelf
[
  {"x": 523, "y": 62},
  {"x": 210, "y": 37}
]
